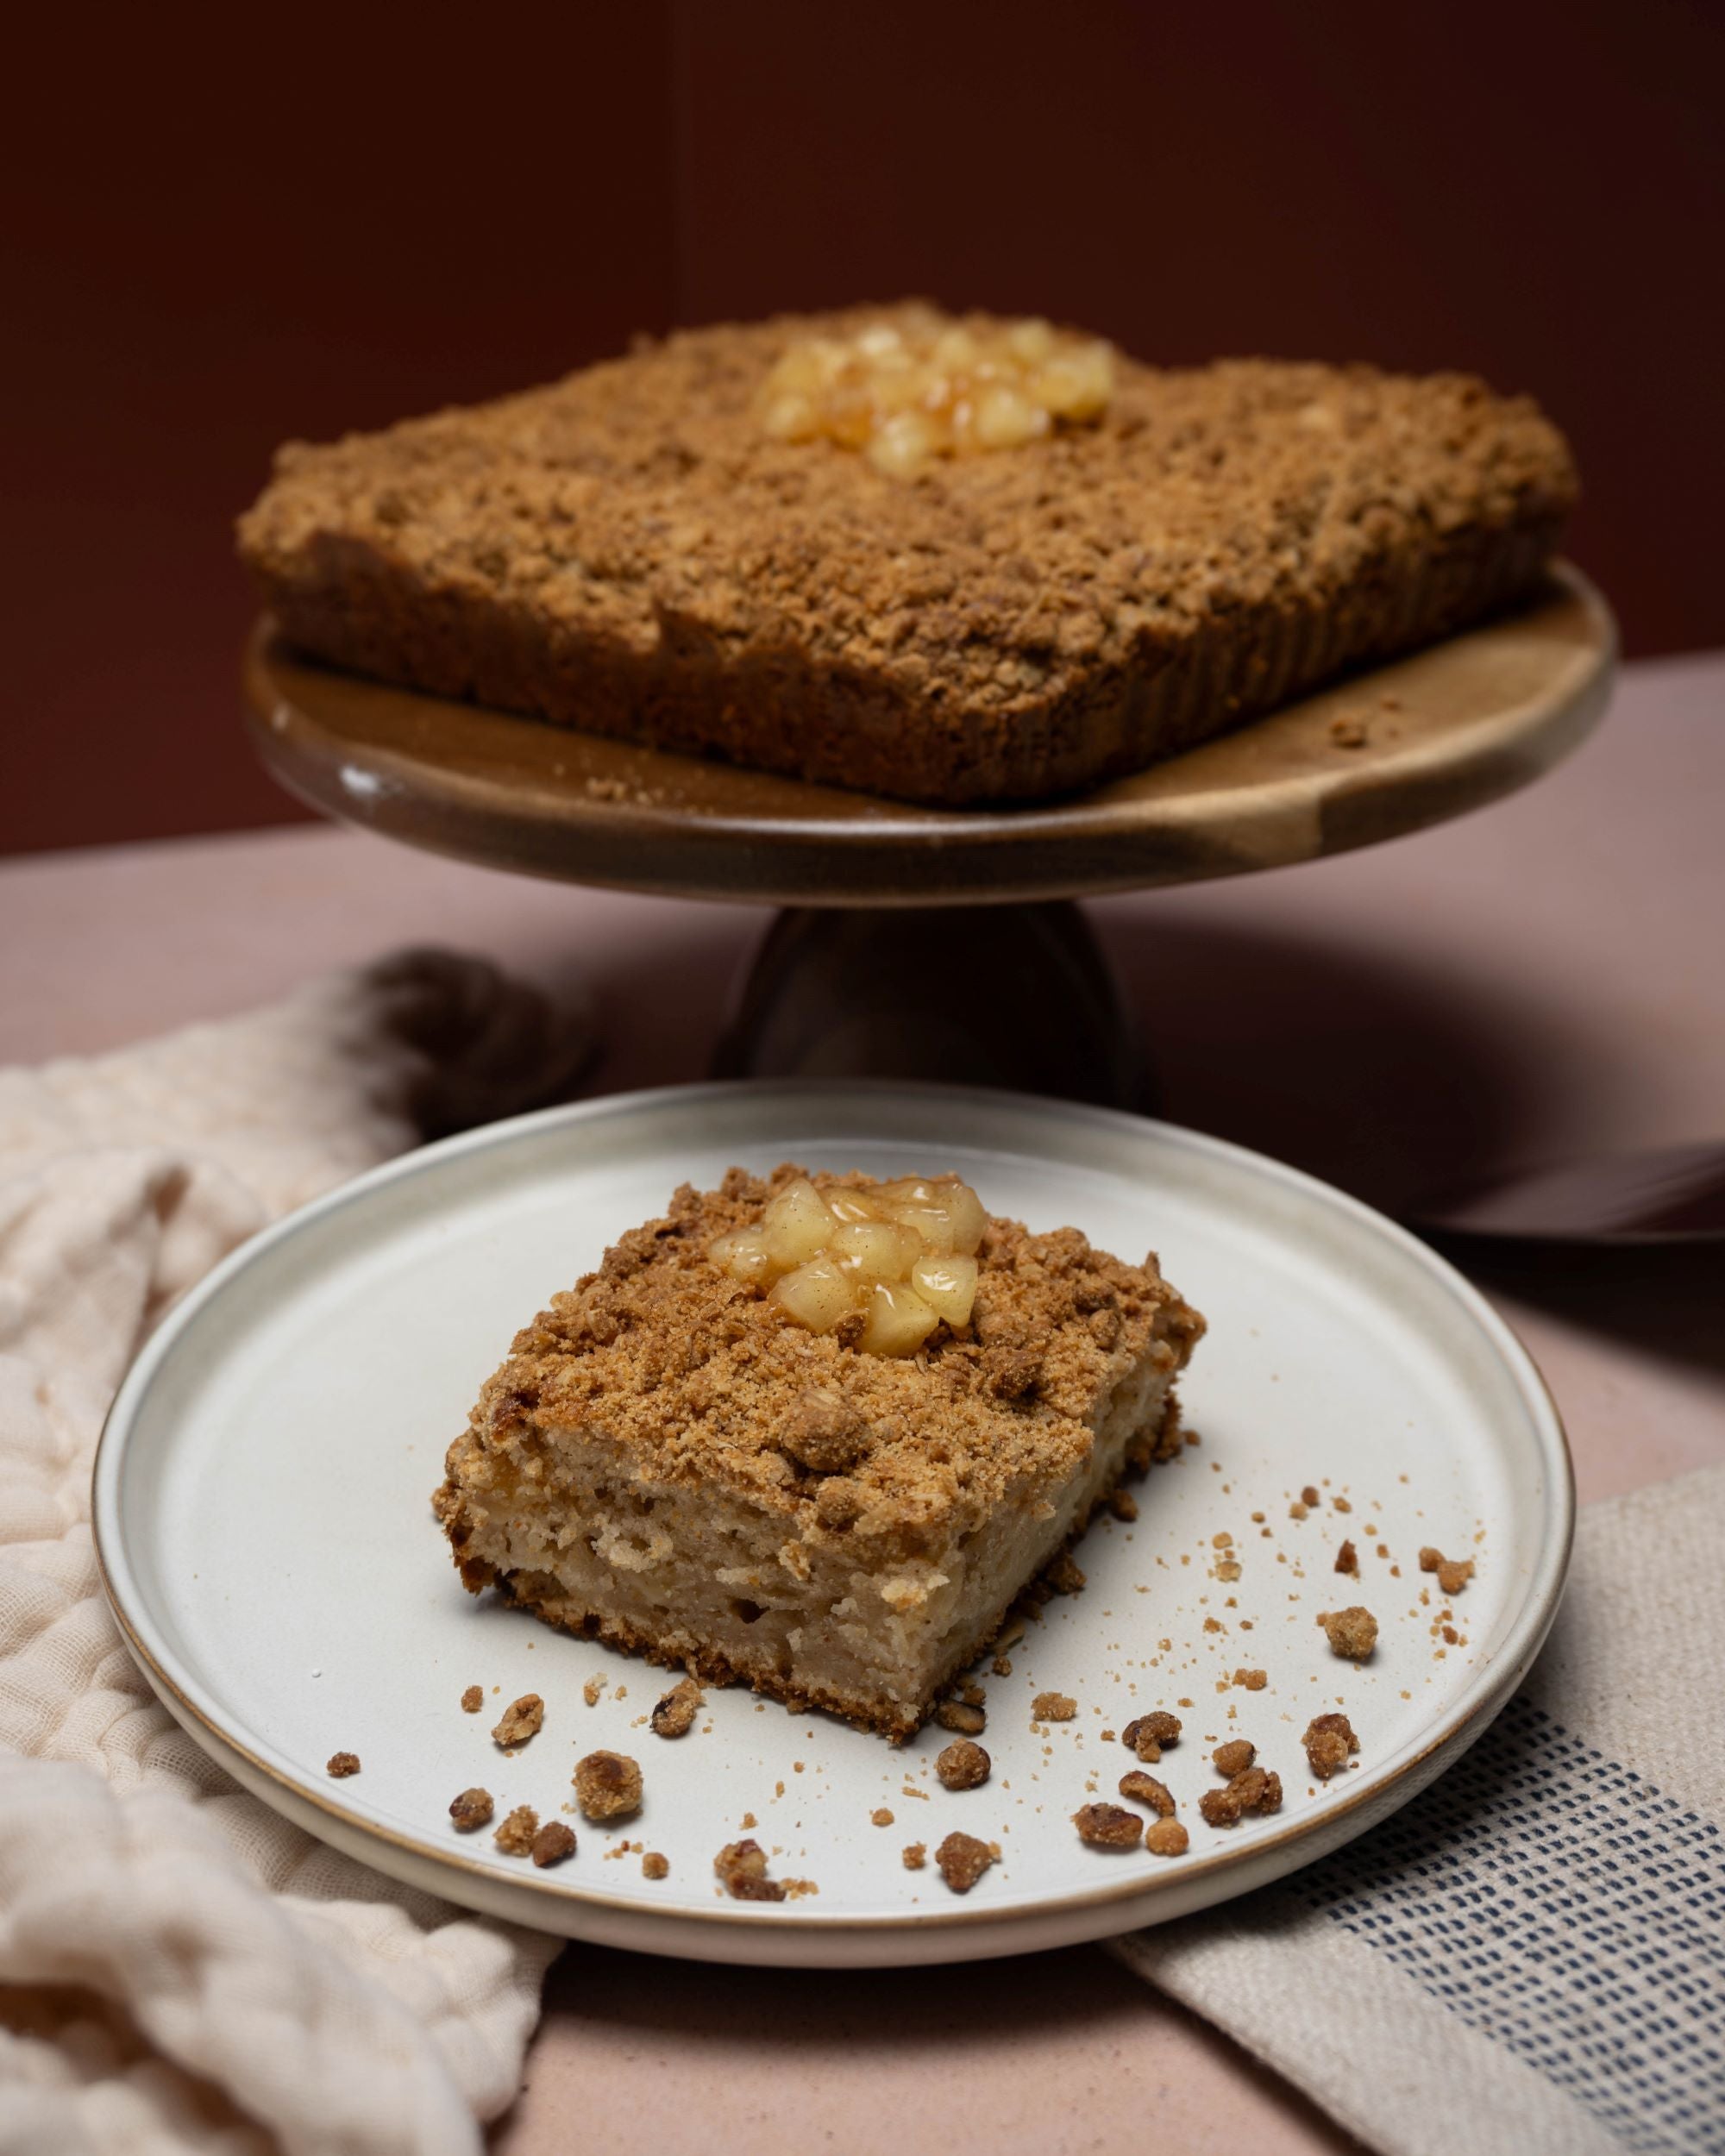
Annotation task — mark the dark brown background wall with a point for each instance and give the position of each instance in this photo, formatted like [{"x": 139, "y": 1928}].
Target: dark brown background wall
[{"x": 229, "y": 238}]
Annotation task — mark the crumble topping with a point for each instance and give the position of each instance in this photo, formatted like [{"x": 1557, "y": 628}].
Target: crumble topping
[
  {"x": 1053, "y": 1707},
  {"x": 473, "y": 1698},
  {"x": 880, "y": 1816},
  {"x": 674, "y": 1714},
  {"x": 1252, "y": 1680},
  {"x": 1252, "y": 1790},
  {"x": 1454, "y": 1573},
  {"x": 1352, "y": 1633},
  {"x": 522, "y": 1718},
  {"x": 1107, "y": 1827},
  {"x": 1150, "y": 1734},
  {"x": 1063, "y": 1574},
  {"x": 1144, "y": 1788},
  {"x": 963, "y": 1861},
  {"x": 742, "y": 1869},
  {"x": 915, "y": 1856},
  {"x": 654, "y": 1866},
  {"x": 918, "y": 385},
  {"x": 515, "y": 1836},
  {"x": 471, "y": 1809},
  {"x": 962, "y": 1766},
  {"x": 340, "y": 1764},
  {"x": 1329, "y": 1740},
  {"x": 1166, "y": 1838},
  {"x": 607, "y": 1785},
  {"x": 1235, "y": 1757},
  {"x": 1347, "y": 1559}
]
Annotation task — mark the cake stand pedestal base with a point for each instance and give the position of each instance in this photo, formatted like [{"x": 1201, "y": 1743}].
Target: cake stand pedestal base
[{"x": 1019, "y": 996}]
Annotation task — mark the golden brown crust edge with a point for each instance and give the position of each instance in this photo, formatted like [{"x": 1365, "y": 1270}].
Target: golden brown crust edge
[{"x": 787, "y": 712}]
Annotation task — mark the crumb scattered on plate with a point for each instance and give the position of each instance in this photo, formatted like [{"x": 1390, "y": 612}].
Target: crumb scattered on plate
[
  {"x": 962, "y": 1766},
  {"x": 515, "y": 1836},
  {"x": 1329, "y": 1740},
  {"x": 607, "y": 1785},
  {"x": 742, "y": 1870},
  {"x": 963, "y": 1861},
  {"x": 1107, "y": 1827},
  {"x": 471, "y": 1809},
  {"x": 521, "y": 1720}
]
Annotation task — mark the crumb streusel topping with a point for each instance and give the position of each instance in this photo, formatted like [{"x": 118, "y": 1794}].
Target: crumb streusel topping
[{"x": 705, "y": 1380}]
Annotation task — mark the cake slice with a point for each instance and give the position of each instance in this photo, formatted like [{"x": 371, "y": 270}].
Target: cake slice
[
  {"x": 814, "y": 1434},
  {"x": 952, "y": 559}
]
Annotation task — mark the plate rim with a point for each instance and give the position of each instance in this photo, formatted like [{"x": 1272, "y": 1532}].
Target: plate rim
[
  {"x": 1267, "y": 1858},
  {"x": 869, "y": 851}
]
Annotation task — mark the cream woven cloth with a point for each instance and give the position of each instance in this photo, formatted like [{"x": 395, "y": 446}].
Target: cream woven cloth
[
  {"x": 1529, "y": 1960},
  {"x": 180, "y": 1969}
]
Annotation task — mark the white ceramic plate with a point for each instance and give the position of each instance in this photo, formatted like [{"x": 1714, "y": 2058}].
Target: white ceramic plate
[{"x": 261, "y": 1513}]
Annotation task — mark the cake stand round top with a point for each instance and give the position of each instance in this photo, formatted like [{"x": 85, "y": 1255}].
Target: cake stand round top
[{"x": 1379, "y": 754}]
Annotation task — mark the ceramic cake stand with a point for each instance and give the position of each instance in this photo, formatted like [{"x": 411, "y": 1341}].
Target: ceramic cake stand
[{"x": 932, "y": 943}]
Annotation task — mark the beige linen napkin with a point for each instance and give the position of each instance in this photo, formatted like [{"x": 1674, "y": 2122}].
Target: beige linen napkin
[
  {"x": 1528, "y": 1959},
  {"x": 180, "y": 1969}
]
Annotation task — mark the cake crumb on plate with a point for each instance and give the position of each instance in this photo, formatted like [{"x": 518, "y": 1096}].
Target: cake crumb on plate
[
  {"x": 515, "y": 1836},
  {"x": 607, "y": 1785},
  {"x": 962, "y": 1766},
  {"x": 1329, "y": 1739},
  {"x": 471, "y": 1809},
  {"x": 963, "y": 1861},
  {"x": 521, "y": 1720}
]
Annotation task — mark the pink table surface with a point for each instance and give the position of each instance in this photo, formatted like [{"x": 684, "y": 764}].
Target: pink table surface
[{"x": 1541, "y": 978}]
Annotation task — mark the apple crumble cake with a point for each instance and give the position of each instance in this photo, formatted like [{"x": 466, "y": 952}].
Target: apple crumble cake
[
  {"x": 948, "y": 559},
  {"x": 814, "y": 1433}
]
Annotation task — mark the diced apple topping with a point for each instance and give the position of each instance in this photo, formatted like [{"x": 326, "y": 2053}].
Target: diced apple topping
[
  {"x": 817, "y": 1294},
  {"x": 921, "y": 386},
  {"x": 743, "y": 1255},
  {"x": 796, "y": 1224},
  {"x": 879, "y": 1248},
  {"x": 947, "y": 1285},
  {"x": 899, "y": 1320},
  {"x": 899, "y": 1254}
]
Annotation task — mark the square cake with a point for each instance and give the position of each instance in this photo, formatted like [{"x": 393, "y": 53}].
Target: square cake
[
  {"x": 953, "y": 559},
  {"x": 814, "y": 1434}
]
